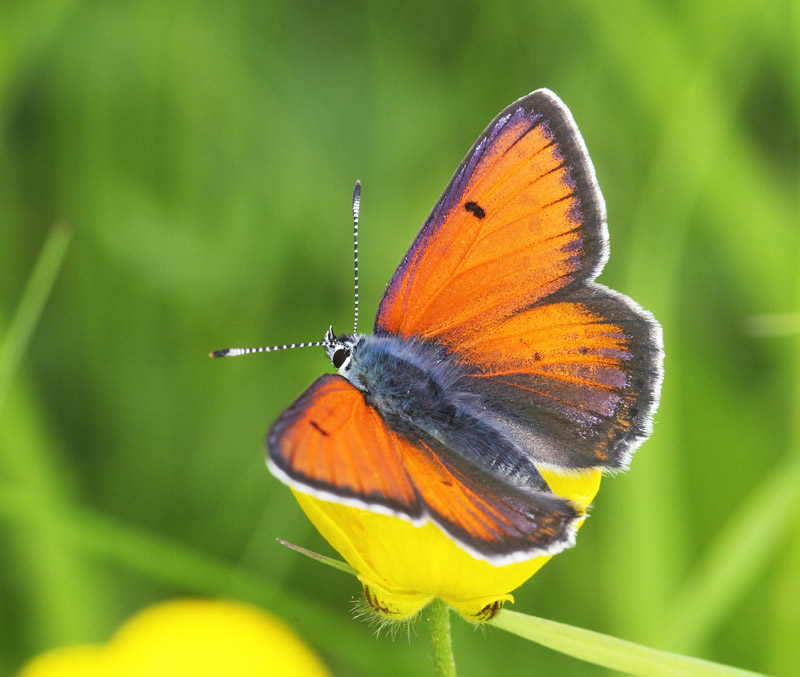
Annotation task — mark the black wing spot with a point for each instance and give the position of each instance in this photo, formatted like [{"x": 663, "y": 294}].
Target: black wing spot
[
  {"x": 317, "y": 427},
  {"x": 475, "y": 209}
]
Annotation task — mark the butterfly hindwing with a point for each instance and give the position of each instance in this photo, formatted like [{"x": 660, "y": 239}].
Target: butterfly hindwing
[
  {"x": 573, "y": 380},
  {"x": 332, "y": 444},
  {"x": 493, "y": 519},
  {"x": 521, "y": 218}
]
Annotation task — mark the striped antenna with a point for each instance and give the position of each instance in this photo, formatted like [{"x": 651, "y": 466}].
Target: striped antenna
[
  {"x": 234, "y": 352},
  {"x": 356, "y": 207}
]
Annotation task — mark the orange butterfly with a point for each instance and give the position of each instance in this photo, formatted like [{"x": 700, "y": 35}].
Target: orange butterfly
[{"x": 494, "y": 354}]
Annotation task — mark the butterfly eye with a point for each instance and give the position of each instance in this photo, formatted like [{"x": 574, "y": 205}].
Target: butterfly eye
[{"x": 340, "y": 357}]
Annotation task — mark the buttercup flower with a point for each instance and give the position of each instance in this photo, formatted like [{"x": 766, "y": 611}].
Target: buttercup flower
[
  {"x": 403, "y": 567},
  {"x": 188, "y": 638}
]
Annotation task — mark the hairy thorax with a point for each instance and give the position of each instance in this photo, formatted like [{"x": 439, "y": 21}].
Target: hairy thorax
[{"x": 410, "y": 383}]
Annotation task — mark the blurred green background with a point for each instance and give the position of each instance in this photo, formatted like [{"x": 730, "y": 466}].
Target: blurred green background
[{"x": 202, "y": 157}]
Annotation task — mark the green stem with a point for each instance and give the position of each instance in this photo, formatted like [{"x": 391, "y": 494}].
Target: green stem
[{"x": 444, "y": 664}]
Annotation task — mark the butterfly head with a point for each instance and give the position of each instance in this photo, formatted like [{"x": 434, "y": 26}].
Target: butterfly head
[{"x": 340, "y": 350}]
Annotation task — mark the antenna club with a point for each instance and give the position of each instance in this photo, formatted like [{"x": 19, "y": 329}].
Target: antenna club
[{"x": 227, "y": 352}]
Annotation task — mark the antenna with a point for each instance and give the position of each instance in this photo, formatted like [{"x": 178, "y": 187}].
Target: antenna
[
  {"x": 235, "y": 352},
  {"x": 356, "y": 208}
]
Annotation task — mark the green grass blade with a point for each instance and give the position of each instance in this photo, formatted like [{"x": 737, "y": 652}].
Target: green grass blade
[
  {"x": 610, "y": 652},
  {"x": 742, "y": 550},
  {"x": 57, "y": 584},
  {"x": 31, "y": 305}
]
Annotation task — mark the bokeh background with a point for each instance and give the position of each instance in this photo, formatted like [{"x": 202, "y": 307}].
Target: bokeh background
[{"x": 182, "y": 172}]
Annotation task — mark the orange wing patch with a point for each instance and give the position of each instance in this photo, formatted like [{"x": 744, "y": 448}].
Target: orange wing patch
[
  {"x": 495, "y": 515},
  {"x": 526, "y": 223},
  {"x": 564, "y": 342},
  {"x": 568, "y": 371},
  {"x": 329, "y": 440}
]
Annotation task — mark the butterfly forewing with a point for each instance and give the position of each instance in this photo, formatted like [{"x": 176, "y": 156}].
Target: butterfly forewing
[
  {"x": 521, "y": 219},
  {"x": 330, "y": 442}
]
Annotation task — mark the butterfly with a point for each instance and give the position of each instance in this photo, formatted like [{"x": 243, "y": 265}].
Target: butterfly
[{"x": 494, "y": 354}]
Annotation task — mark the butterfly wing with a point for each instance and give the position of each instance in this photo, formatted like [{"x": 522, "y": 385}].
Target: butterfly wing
[
  {"x": 502, "y": 275},
  {"x": 521, "y": 218},
  {"x": 573, "y": 380},
  {"x": 331, "y": 444}
]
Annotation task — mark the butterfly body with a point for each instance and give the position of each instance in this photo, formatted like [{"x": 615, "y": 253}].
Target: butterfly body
[
  {"x": 422, "y": 392},
  {"x": 494, "y": 354}
]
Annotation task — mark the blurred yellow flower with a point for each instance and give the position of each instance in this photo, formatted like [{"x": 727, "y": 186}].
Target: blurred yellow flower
[
  {"x": 188, "y": 638},
  {"x": 403, "y": 567}
]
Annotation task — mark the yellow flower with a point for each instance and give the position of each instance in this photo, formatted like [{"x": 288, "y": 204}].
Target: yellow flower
[
  {"x": 403, "y": 567},
  {"x": 183, "y": 638}
]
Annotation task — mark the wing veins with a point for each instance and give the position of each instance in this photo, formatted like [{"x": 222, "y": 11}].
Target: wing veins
[
  {"x": 390, "y": 449},
  {"x": 509, "y": 173},
  {"x": 548, "y": 330},
  {"x": 331, "y": 458},
  {"x": 465, "y": 318},
  {"x": 575, "y": 405},
  {"x": 360, "y": 438},
  {"x": 535, "y": 125},
  {"x": 561, "y": 377},
  {"x": 459, "y": 484},
  {"x": 477, "y": 236},
  {"x": 513, "y": 170},
  {"x": 461, "y": 191},
  {"x": 476, "y": 266},
  {"x": 528, "y": 215}
]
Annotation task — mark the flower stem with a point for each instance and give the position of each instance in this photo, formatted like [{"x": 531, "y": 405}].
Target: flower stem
[{"x": 444, "y": 664}]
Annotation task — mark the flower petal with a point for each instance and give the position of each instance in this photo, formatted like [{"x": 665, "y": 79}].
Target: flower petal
[
  {"x": 403, "y": 567},
  {"x": 192, "y": 637}
]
